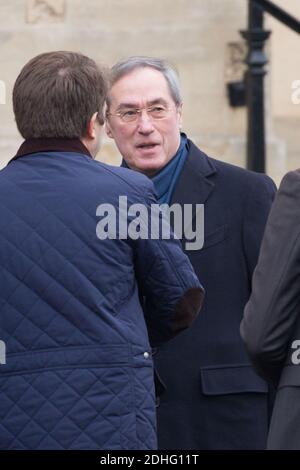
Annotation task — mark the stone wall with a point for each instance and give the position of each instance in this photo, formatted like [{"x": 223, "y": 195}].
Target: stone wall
[
  {"x": 285, "y": 71},
  {"x": 199, "y": 36}
]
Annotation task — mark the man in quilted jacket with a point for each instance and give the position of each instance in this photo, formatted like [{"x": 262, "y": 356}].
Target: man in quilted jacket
[{"x": 78, "y": 369}]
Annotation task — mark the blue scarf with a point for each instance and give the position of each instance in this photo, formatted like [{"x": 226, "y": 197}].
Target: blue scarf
[{"x": 165, "y": 180}]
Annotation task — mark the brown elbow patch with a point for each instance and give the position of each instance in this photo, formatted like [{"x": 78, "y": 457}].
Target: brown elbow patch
[{"x": 187, "y": 309}]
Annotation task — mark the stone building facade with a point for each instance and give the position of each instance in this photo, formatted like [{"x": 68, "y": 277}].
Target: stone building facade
[{"x": 200, "y": 37}]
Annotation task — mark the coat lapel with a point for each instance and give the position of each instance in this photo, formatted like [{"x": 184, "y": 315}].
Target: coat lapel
[{"x": 193, "y": 186}]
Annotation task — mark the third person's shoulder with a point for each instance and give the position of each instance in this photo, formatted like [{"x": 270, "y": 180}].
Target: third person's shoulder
[{"x": 291, "y": 180}]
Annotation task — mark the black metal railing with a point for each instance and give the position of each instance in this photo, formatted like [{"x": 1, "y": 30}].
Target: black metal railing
[{"x": 256, "y": 36}]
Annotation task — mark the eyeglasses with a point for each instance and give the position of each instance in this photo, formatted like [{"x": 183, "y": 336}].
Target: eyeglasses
[{"x": 132, "y": 114}]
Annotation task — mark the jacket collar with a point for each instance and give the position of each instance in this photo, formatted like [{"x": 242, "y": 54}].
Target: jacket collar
[
  {"x": 51, "y": 144},
  {"x": 193, "y": 186}
]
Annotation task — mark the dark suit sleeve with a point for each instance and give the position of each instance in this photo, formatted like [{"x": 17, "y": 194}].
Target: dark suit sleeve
[
  {"x": 273, "y": 307},
  {"x": 259, "y": 202},
  {"x": 172, "y": 294}
]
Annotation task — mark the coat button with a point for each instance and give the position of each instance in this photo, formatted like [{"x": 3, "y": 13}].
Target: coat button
[{"x": 146, "y": 355}]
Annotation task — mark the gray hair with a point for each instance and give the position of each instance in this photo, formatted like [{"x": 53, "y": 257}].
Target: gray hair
[{"x": 122, "y": 68}]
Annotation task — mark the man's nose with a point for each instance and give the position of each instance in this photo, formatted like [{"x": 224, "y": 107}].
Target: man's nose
[{"x": 145, "y": 124}]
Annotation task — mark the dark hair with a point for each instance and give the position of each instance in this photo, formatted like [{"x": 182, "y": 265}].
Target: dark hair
[{"x": 56, "y": 94}]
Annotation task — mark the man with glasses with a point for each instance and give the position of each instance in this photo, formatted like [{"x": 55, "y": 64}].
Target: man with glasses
[{"x": 209, "y": 395}]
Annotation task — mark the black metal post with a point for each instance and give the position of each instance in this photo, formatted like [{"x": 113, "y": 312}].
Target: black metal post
[
  {"x": 280, "y": 14},
  {"x": 256, "y": 61}
]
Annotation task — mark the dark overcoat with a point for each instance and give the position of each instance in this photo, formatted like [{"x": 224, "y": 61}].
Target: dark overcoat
[
  {"x": 271, "y": 324},
  {"x": 213, "y": 397}
]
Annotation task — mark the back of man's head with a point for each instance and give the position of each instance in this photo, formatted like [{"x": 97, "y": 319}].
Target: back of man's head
[{"x": 56, "y": 95}]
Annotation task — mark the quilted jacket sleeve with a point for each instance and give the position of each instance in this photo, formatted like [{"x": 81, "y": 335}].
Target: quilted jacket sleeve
[{"x": 172, "y": 294}]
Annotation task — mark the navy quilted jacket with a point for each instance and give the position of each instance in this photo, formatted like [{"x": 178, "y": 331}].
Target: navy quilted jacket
[{"x": 78, "y": 372}]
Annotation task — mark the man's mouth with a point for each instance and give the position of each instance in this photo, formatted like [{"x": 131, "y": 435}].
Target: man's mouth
[{"x": 147, "y": 146}]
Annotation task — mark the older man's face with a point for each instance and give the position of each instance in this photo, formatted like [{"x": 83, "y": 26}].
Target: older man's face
[{"x": 148, "y": 143}]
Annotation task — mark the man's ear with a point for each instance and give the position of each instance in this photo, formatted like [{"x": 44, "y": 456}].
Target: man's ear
[
  {"x": 91, "y": 127},
  {"x": 108, "y": 129},
  {"x": 179, "y": 110}
]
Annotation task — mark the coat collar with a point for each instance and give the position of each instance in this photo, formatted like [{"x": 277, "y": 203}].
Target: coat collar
[
  {"x": 51, "y": 145},
  {"x": 193, "y": 186}
]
